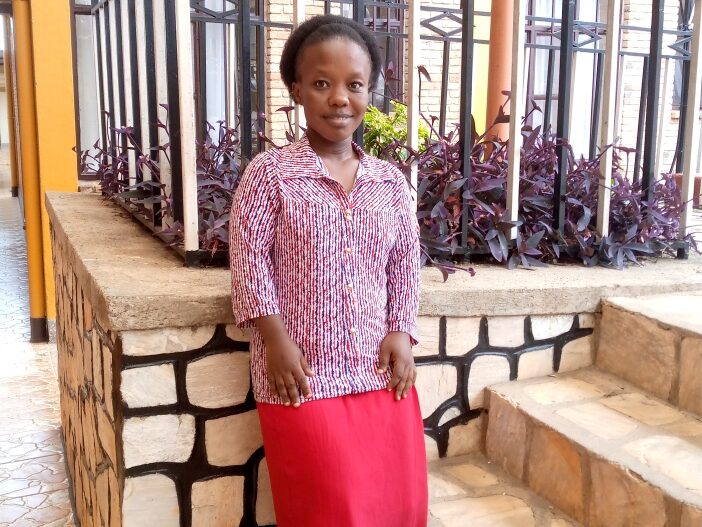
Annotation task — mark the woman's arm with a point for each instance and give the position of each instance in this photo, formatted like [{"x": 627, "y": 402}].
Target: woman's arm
[
  {"x": 251, "y": 234},
  {"x": 403, "y": 296}
]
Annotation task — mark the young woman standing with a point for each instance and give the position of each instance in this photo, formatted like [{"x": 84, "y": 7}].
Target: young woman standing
[{"x": 325, "y": 270}]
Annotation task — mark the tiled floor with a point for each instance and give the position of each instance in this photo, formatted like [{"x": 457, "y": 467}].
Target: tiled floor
[{"x": 33, "y": 483}]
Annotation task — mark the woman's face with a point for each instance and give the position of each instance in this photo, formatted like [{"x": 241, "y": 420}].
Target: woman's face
[{"x": 332, "y": 84}]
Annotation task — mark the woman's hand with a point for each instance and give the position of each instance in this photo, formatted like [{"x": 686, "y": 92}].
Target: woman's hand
[
  {"x": 287, "y": 368},
  {"x": 396, "y": 350}
]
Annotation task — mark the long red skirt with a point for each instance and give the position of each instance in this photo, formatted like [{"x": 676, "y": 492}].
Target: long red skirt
[{"x": 352, "y": 461}]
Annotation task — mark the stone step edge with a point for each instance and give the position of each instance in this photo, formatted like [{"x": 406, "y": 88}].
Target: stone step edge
[
  {"x": 650, "y": 497},
  {"x": 664, "y": 318},
  {"x": 659, "y": 359},
  {"x": 502, "y": 484}
]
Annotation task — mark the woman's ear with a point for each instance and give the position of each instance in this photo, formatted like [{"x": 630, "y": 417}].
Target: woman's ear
[{"x": 295, "y": 92}]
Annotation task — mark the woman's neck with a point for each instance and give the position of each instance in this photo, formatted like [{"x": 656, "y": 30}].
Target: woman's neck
[{"x": 332, "y": 151}]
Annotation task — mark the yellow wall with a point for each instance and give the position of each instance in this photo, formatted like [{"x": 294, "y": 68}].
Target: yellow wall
[
  {"x": 47, "y": 132},
  {"x": 55, "y": 105},
  {"x": 480, "y": 65}
]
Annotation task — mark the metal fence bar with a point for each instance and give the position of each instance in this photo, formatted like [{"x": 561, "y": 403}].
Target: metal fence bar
[
  {"x": 245, "y": 80},
  {"x": 642, "y": 120},
  {"x": 692, "y": 124},
  {"x": 232, "y": 66},
  {"x": 648, "y": 176},
  {"x": 118, "y": 72},
  {"x": 595, "y": 122},
  {"x": 99, "y": 70},
  {"x": 261, "y": 82},
  {"x": 684, "y": 18},
  {"x": 174, "y": 122},
  {"x": 414, "y": 48},
  {"x": 359, "y": 14},
  {"x": 663, "y": 118},
  {"x": 133, "y": 60},
  {"x": 109, "y": 80},
  {"x": 515, "y": 118},
  {"x": 609, "y": 102},
  {"x": 445, "y": 85},
  {"x": 299, "y": 18},
  {"x": 564, "y": 102},
  {"x": 549, "y": 91},
  {"x": 186, "y": 90},
  {"x": 161, "y": 113},
  {"x": 142, "y": 81},
  {"x": 127, "y": 86},
  {"x": 200, "y": 34},
  {"x": 466, "y": 107}
]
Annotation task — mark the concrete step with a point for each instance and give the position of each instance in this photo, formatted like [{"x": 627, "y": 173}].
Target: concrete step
[
  {"x": 599, "y": 448},
  {"x": 470, "y": 491},
  {"x": 655, "y": 343}
]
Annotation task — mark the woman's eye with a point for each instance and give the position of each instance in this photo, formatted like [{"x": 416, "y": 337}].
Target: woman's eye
[
  {"x": 356, "y": 85},
  {"x": 320, "y": 84}
]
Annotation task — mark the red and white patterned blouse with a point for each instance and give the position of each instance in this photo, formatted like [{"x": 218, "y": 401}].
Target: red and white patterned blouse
[{"x": 341, "y": 270}]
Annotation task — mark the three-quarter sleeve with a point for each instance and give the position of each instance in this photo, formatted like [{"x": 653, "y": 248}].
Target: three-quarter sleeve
[
  {"x": 403, "y": 276},
  {"x": 251, "y": 233}
]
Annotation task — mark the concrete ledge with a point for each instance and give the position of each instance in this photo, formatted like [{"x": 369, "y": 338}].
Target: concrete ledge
[{"x": 134, "y": 282}]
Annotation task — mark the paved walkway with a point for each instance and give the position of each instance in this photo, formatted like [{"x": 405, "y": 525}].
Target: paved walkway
[{"x": 33, "y": 483}]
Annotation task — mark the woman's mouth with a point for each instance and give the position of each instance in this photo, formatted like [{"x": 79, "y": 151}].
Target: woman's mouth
[{"x": 338, "y": 119}]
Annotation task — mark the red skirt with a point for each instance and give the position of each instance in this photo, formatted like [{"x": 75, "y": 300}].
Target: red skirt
[{"x": 352, "y": 461}]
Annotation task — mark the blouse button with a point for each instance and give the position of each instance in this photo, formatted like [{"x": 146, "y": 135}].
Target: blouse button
[
  {"x": 348, "y": 250},
  {"x": 348, "y": 214}
]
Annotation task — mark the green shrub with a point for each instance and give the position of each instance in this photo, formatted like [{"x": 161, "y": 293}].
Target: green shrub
[{"x": 382, "y": 130}]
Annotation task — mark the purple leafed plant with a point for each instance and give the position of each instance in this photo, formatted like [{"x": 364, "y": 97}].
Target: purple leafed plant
[
  {"x": 452, "y": 208},
  {"x": 448, "y": 199}
]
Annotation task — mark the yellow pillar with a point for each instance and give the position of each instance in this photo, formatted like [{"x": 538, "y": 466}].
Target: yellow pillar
[
  {"x": 10, "y": 92},
  {"x": 52, "y": 42},
  {"x": 30, "y": 168},
  {"x": 500, "y": 68}
]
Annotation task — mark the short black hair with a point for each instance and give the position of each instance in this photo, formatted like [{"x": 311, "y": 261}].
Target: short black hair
[{"x": 320, "y": 29}]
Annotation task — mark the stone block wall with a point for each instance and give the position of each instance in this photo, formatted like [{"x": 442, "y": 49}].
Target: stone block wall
[
  {"x": 172, "y": 438},
  {"x": 193, "y": 453},
  {"x": 90, "y": 410},
  {"x": 459, "y": 356}
]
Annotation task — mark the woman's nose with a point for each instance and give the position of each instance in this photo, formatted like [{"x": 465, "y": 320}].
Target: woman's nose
[{"x": 338, "y": 97}]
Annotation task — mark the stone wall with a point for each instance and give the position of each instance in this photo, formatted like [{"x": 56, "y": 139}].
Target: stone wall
[
  {"x": 90, "y": 411},
  {"x": 459, "y": 356},
  {"x": 158, "y": 417},
  {"x": 192, "y": 445}
]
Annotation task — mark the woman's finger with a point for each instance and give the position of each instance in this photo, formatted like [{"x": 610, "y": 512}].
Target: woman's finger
[
  {"x": 291, "y": 387},
  {"x": 271, "y": 383},
  {"x": 409, "y": 382},
  {"x": 301, "y": 378},
  {"x": 282, "y": 391},
  {"x": 398, "y": 373}
]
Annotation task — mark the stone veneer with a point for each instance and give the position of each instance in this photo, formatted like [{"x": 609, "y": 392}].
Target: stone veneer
[
  {"x": 90, "y": 406},
  {"x": 158, "y": 417}
]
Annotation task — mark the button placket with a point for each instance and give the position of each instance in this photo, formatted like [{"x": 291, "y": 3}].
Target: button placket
[{"x": 349, "y": 277}]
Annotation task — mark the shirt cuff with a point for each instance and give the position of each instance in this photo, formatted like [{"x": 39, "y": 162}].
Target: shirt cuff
[
  {"x": 245, "y": 318},
  {"x": 406, "y": 327}
]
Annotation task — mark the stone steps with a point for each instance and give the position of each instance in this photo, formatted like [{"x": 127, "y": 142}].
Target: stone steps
[
  {"x": 599, "y": 448},
  {"x": 471, "y": 491},
  {"x": 655, "y": 343},
  {"x": 620, "y": 443}
]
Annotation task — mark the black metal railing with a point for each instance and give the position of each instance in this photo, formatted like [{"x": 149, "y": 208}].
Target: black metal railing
[{"x": 562, "y": 36}]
